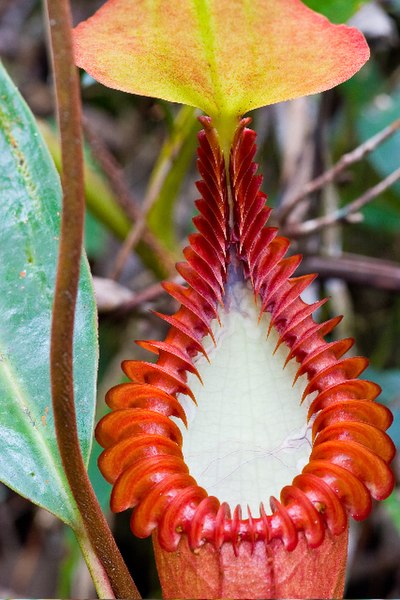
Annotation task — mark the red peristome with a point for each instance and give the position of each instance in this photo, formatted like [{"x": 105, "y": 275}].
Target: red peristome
[
  {"x": 349, "y": 460},
  {"x": 350, "y": 490},
  {"x": 353, "y": 410}
]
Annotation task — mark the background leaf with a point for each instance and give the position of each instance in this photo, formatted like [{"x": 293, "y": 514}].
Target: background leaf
[
  {"x": 30, "y": 195},
  {"x": 389, "y": 380},
  {"x": 383, "y": 215},
  {"x": 380, "y": 113},
  {"x": 337, "y": 11},
  {"x": 392, "y": 505}
]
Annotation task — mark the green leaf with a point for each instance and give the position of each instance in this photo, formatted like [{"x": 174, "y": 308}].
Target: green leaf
[
  {"x": 360, "y": 90},
  {"x": 221, "y": 56},
  {"x": 392, "y": 505},
  {"x": 383, "y": 215},
  {"x": 96, "y": 236},
  {"x": 338, "y": 11},
  {"x": 389, "y": 380},
  {"x": 379, "y": 114},
  {"x": 30, "y": 207},
  {"x": 101, "y": 487}
]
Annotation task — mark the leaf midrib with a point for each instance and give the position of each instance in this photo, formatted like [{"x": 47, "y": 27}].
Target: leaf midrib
[{"x": 25, "y": 408}]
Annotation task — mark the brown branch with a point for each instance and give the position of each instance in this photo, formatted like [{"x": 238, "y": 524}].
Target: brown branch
[
  {"x": 346, "y": 214},
  {"x": 110, "y": 295},
  {"x": 157, "y": 180},
  {"x": 139, "y": 226},
  {"x": 124, "y": 304},
  {"x": 113, "y": 171},
  {"x": 363, "y": 270},
  {"x": 150, "y": 293},
  {"x": 112, "y": 574},
  {"x": 346, "y": 160}
]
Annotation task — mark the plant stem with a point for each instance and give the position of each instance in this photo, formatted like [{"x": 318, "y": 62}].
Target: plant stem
[
  {"x": 95, "y": 567},
  {"x": 102, "y": 556}
]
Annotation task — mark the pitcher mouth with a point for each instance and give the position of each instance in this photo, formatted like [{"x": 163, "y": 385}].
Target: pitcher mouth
[
  {"x": 343, "y": 460},
  {"x": 248, "y": 434}
]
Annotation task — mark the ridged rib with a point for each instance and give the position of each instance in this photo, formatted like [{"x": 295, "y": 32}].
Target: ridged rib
[{"x": 349, "y": 461}]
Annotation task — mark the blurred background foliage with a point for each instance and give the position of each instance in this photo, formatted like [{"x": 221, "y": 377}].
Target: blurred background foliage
[{"x": 140, "y": 174}]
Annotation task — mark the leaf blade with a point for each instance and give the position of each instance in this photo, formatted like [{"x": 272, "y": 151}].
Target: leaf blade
[
  {"x": 223, "y": 57},
  {"x": 31, "y": 203}
]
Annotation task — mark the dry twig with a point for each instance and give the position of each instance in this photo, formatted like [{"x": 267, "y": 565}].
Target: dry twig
[
  {"x": 140, "y": 224},
  {"x": 150, "y": 293},
  {"x": 124, "y": 197},
  {"x": 346, "y": 160},
  {"x": 354, "y": 268},
  {"x": 346, "y": 214}
]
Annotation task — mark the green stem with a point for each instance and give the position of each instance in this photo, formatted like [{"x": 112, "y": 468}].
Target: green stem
[
  {"x": 159, "y": 176},
  {"x": 96, "y": 569},
  {"x": 110, "y": 573},
  {"x": 179, "y": 149}
]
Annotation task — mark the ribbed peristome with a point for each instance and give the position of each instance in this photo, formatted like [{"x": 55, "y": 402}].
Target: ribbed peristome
[{"x": 348, "y": 464}]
